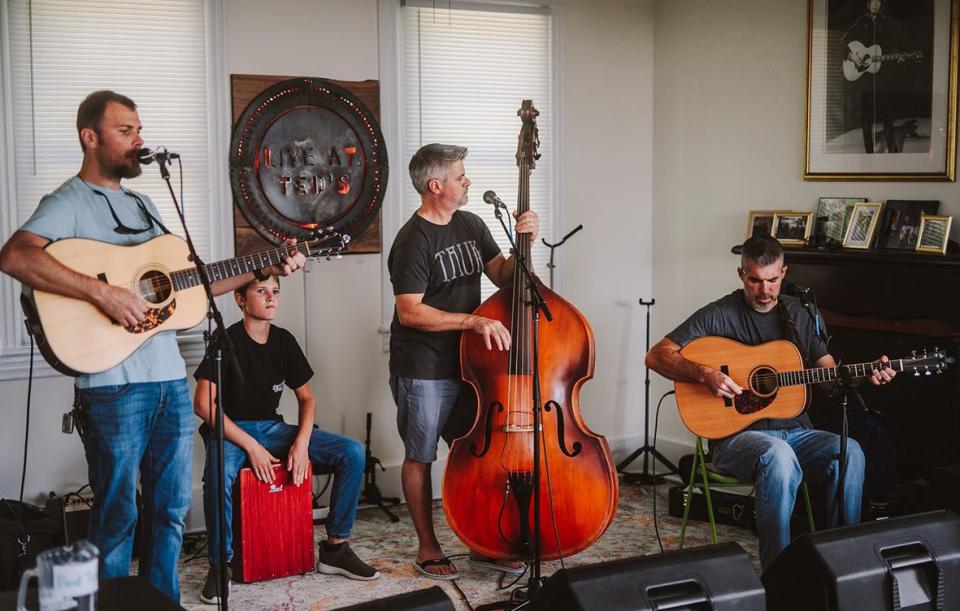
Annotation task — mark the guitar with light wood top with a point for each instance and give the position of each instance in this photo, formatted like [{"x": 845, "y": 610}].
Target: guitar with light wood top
[
  {"x": 773, "y": 379},
  {"x": 75, "y": 337}
]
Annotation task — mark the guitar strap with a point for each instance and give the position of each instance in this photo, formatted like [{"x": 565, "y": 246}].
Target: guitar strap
[{"x": 789, "y": 329}]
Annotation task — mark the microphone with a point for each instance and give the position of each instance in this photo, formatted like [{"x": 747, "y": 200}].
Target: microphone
[
  {"x": 796, "y": 290},
  {"x": 160, "y": 155},
  {"x": 491, "y": 198}
]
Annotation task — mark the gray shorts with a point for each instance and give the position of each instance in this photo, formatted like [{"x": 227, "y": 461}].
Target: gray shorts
[{"x": 427, "y": 409}]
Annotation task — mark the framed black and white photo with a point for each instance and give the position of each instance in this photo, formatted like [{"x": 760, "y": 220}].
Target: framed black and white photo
[
  {"x": 934, "y": 234},
  {"x": 900, "y": 223},
  {"x": 835, "y": 212},
  {"x": 760, "y": 222},
  {"x": 881, "y": 90},
  {"x": 863, "y": 223},
  {"x": 792, "y": 228}
]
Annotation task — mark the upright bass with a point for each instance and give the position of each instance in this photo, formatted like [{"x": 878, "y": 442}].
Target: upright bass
[{"x": 488, "y": 484}]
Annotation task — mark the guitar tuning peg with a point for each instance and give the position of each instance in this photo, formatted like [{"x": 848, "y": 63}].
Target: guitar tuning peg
[
  {"x": 916, "y": 373},
  {"x": 913, "y": 353}
]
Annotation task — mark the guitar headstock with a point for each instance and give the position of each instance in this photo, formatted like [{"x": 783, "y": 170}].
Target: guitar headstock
[
  {"x": 927, "y": 362},
  {"x": 529, "y": 139},
  {"x": 326, "y": 243}
]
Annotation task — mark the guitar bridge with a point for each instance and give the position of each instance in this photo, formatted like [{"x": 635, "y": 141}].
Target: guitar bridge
[{"x": 727, "y": 401}]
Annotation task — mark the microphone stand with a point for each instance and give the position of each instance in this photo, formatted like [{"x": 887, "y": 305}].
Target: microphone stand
[
  {"x": 537, "y": 305},
  {"x": 650, "y": 453},
  {"x": 217, "y": 342},
  {"x": 550, "y": 265},
  {"x": 843, "y": 375},
  {"x": 845, "y": 386}
]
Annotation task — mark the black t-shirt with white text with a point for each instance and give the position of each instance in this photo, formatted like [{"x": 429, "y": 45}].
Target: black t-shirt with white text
[
  {"x": 444, "y": 264},
  {"x": 266, "y": 367}
]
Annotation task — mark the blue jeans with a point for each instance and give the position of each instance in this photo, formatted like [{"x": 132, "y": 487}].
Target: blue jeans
[
  {"x": 143, "y": 429},
  {"x": 346, "y": 455},
  {"x": 777, "y": 461}
]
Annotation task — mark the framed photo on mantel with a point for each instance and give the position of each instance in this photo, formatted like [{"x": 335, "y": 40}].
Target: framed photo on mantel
[
  {"x": 900, "y": 223},
  {"x": 882, "y": 90}
]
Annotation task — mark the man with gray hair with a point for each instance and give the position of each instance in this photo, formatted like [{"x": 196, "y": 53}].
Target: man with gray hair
[
  {"x": 776, "y": 455},
  {"x": 435, "y": 266}
]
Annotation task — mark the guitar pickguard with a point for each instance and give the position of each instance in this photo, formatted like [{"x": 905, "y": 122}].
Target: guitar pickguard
[
  {"x": 751, "y": 403},
  {"x": 155, "y": 318}
]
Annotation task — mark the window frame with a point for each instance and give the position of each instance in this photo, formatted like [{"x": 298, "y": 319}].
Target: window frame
[
  {"x": 392, "y": 96},
  {"x": 15, "y": 351}
]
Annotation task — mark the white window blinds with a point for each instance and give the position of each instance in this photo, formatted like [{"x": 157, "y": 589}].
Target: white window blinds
[
  {"x": 152, "y": 51},
  {"x": 467, "y": 67},
  {"x": 54, "y": 53}
]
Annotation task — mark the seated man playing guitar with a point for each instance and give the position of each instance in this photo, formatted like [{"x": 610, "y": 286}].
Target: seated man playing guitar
[
  {"x": 776, "y": 455},
  {"x": 255, "y": 435}
]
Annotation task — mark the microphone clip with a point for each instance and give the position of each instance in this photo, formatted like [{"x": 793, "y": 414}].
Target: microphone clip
[{"x": 160, "y": 154}]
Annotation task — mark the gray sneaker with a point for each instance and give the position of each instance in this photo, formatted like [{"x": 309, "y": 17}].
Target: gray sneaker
[
  {"x": 345, "y": 562},
  {"x": 211, "y": 587}
]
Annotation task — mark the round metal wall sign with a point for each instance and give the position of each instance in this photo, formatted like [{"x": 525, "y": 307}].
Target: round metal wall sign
[{"x": 307, "y": 154}]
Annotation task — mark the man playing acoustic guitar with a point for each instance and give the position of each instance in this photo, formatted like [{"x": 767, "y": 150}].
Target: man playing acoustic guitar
[
  {"x": 776, "y": 455},
  {"x": 135, "y": 419}
]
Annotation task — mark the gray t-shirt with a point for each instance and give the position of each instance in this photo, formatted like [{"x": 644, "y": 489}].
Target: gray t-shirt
[
  {"x": 731, "y": 317},
  {"x": 78, "y": 210}
]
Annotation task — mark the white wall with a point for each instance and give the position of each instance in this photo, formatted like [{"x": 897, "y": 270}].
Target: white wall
[
  {"x": 729, "y": 97},
  {"x": 334, "y": 308}
]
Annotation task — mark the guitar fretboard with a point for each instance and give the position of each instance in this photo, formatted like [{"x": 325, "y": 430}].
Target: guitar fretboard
[
  {"x": 228, "y": 268},
  {"x": 817, "y": 375}
]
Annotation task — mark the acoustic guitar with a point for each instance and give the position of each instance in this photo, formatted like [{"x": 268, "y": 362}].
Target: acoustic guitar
[
  {"x": 861, "y": 59},
  {"x": 75, "y": 337},
  {"x": 773, "y": 379}
]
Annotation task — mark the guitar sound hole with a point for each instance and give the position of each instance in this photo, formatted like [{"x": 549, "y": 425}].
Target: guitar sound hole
[
  {"x": 155, "y": 287},
  {"x": 763, "y": 380}
]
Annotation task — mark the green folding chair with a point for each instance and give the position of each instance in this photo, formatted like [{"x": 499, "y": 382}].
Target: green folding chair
[{"x": 709, "y": 477}]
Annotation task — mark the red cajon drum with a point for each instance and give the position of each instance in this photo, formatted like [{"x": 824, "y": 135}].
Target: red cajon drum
[{"x": 272, "y": 526}]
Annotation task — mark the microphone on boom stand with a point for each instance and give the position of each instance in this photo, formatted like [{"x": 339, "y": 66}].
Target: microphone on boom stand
[{"x": 160, "y": 154}]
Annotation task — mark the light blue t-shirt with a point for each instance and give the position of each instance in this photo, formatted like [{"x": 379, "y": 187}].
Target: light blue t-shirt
[{"x": 78, "y": 210}]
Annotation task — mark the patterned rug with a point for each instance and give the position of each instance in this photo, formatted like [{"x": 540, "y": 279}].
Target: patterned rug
[{"x": 391, "y": 547}]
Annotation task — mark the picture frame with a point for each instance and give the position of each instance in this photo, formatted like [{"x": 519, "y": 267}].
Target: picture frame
[
  {"x": 760, "y": 222},
  {"x": 934, "y": 234},
  {"x": 899, "y": 226},
  {"x": 881, "y": 107},
  {"x": 836, "y": 214},
  {"x": 863, "y": 224},
  {"x": 792, "y": 228}
]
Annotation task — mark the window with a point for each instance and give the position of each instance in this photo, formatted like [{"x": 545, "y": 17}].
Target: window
[
  {"x": 465, "y": 70},
  {"x": 158, "y": 52}
]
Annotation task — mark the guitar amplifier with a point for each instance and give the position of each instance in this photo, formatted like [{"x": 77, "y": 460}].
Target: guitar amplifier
[{"x": 272, "y": 526}]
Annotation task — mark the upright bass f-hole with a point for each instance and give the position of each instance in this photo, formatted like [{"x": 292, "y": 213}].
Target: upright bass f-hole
[
  {"x": 561, "y": 440},
  {"x": 488, "y": 431}
]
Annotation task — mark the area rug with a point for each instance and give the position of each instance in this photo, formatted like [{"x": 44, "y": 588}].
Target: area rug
[{"x": 391, "y": 547}]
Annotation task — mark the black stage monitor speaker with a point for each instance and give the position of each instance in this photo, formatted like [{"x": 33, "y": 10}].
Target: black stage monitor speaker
[
  {"x": 910, "y": 562},
  {"x": 715, "y": 577},
  {"x": 429, "y": 599}
]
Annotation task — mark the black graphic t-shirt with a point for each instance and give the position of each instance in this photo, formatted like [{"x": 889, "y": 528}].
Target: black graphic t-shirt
[
  {"x": 266, "y": 367},
  {"x": 444, "y": 263}
]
